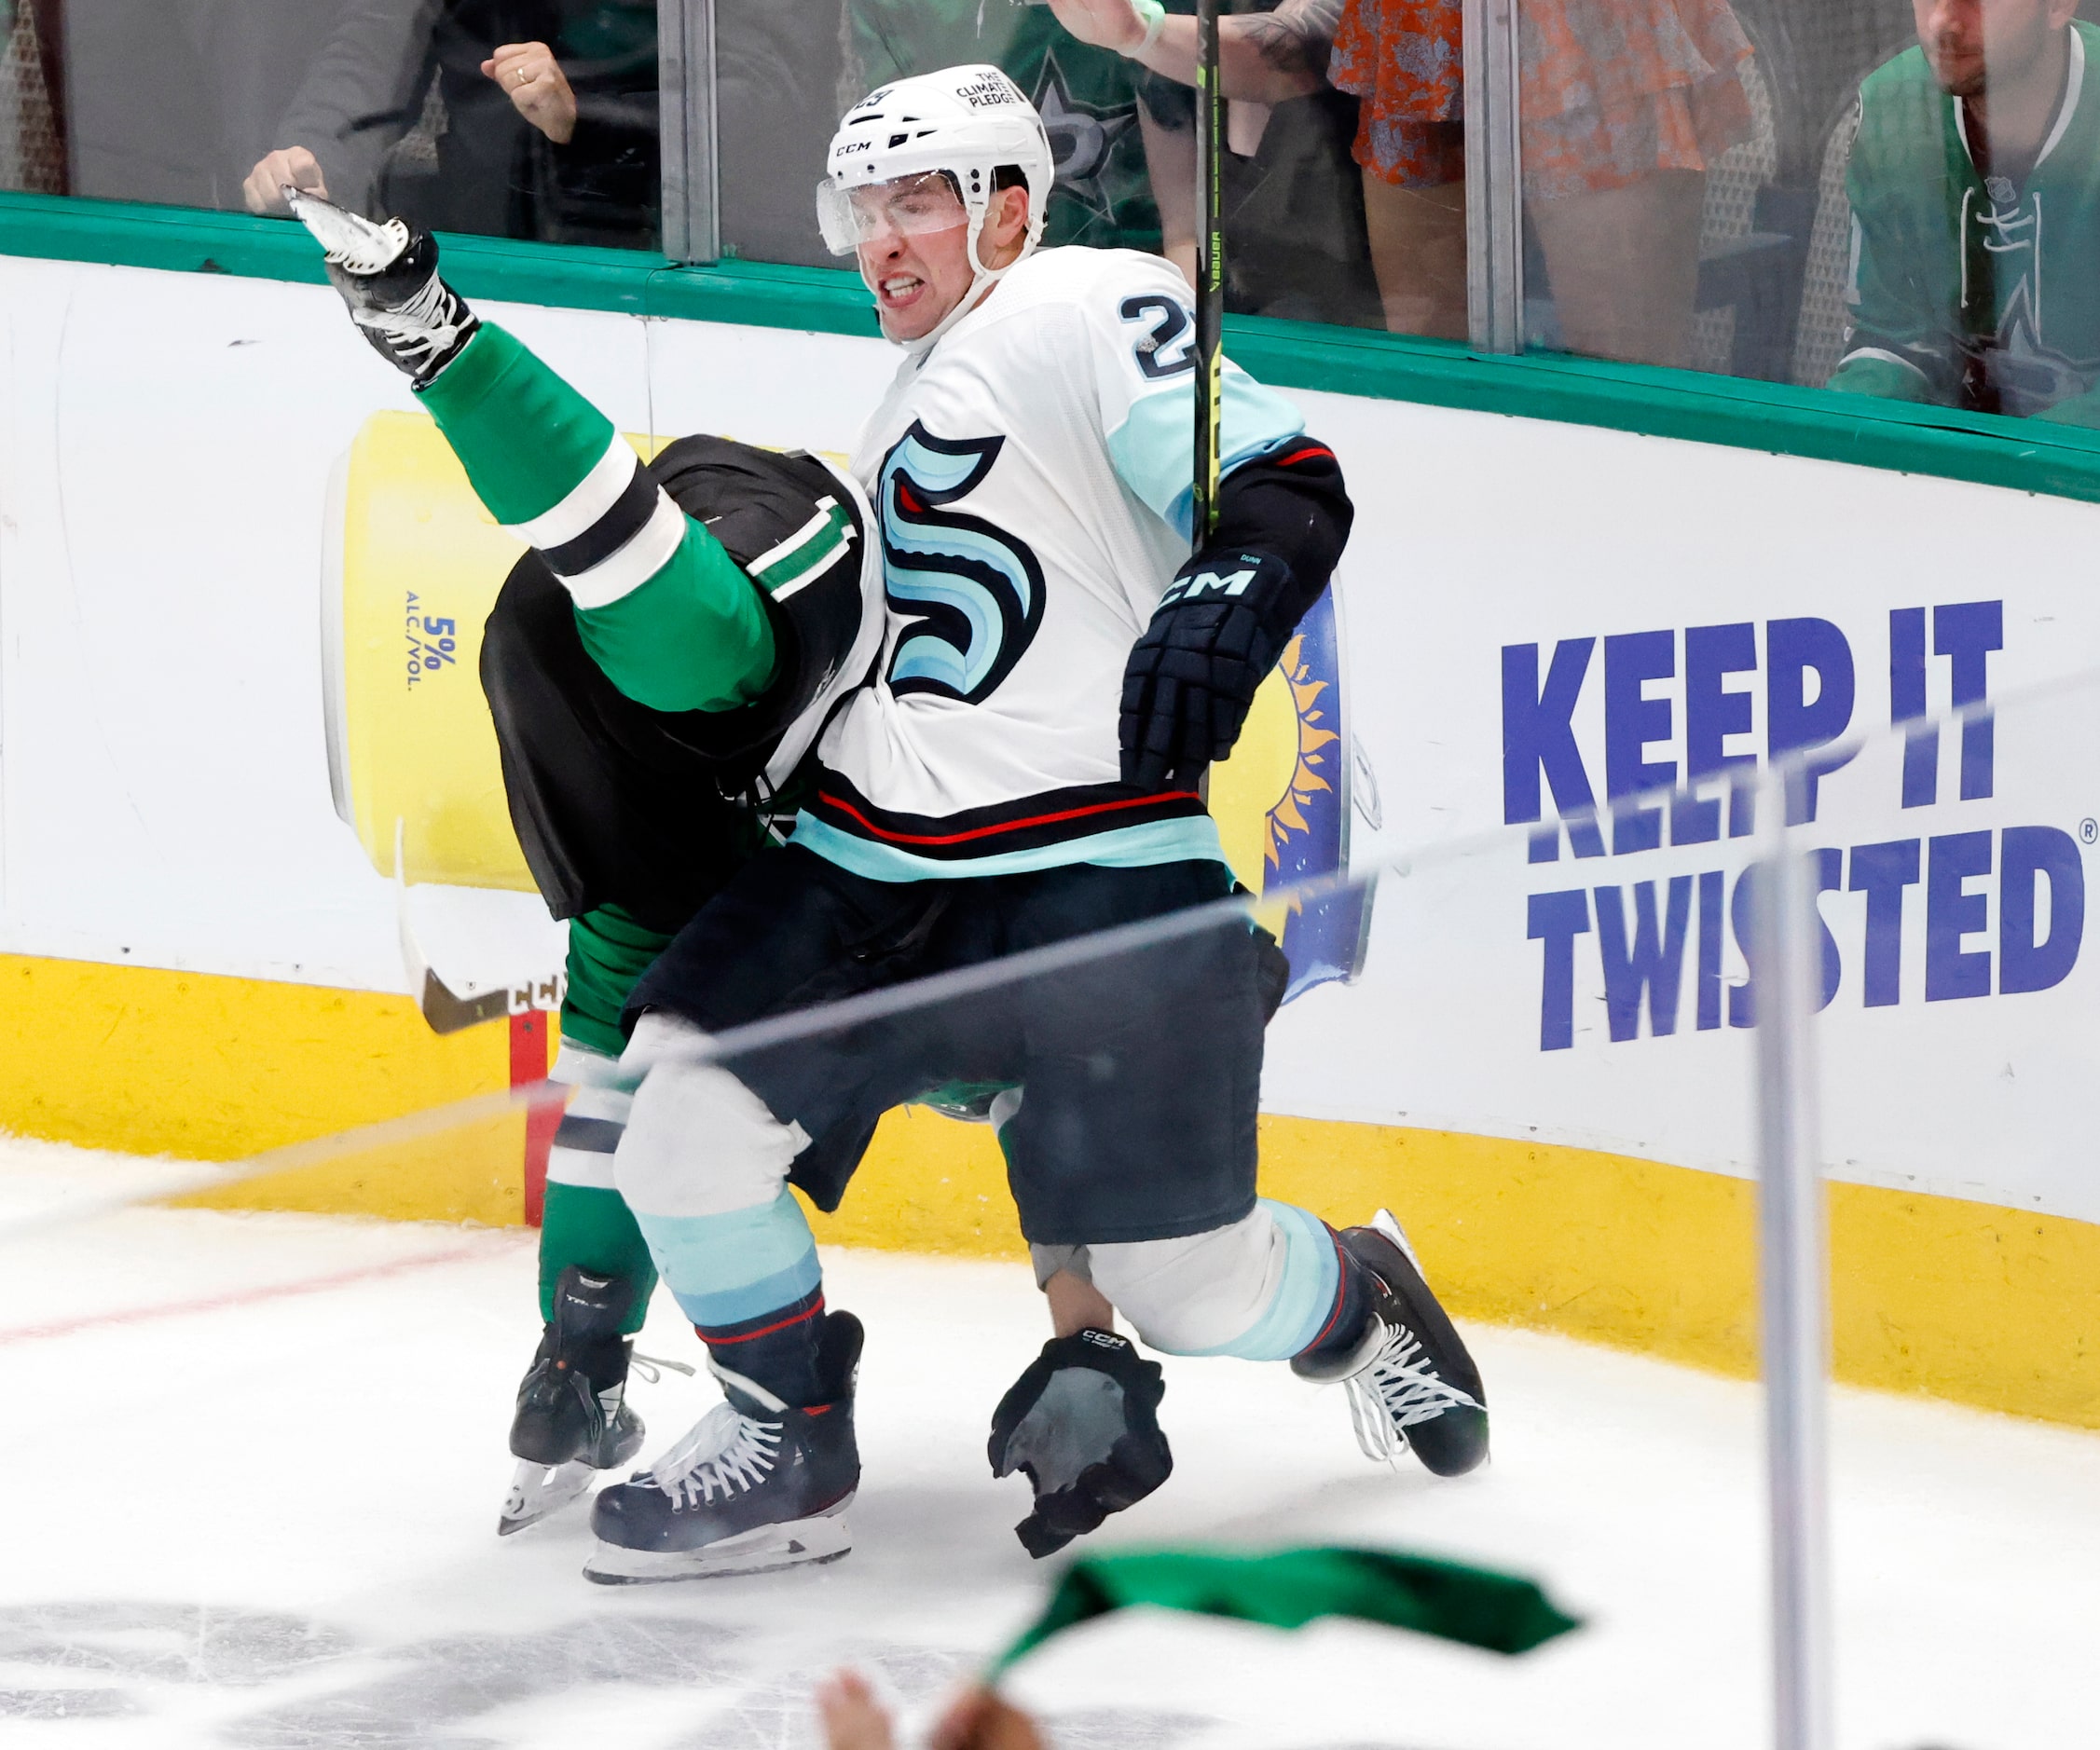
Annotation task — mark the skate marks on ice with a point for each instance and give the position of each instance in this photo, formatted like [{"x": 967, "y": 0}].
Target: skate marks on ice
[
  {"x": 461, "y": 1691},
  {"x": 80, "y": 1659},
  {"x": 275, "y": 1681}
]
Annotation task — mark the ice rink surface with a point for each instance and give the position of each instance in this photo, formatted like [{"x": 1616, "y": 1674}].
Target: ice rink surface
[{"x": 254, "y": 1464}]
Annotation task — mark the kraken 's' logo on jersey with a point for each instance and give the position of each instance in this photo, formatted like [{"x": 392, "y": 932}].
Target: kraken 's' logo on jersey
[{"x": 974, "y": 594}]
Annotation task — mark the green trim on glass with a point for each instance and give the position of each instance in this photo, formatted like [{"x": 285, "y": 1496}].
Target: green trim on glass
[{"x": 2026, "y": 455}]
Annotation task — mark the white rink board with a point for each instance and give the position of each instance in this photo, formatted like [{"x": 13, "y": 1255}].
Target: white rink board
[{"x": 167, "y": 443}]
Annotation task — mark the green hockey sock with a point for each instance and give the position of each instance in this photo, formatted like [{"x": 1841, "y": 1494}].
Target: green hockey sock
[{"x": 593, "y": 1230}]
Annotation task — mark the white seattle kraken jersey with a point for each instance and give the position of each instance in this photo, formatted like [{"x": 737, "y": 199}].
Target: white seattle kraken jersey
[{"x": 1031, "y": 480}]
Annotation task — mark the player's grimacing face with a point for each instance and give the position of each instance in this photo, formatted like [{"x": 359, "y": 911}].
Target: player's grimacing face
[
  {"x": 1972, "y": 43},
  {"x": 914, "y": 248},
  {"x": 913, "y": 251}
]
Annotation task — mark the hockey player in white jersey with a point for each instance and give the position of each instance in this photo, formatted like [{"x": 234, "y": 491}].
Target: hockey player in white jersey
[
  {"x": 657, "y": 665},
  {"x": 1022, "y": 767}
]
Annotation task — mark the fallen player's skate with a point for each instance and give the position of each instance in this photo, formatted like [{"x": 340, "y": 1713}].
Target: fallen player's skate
[
  {"x": 757, "y": 1485},
  {"x": 1411, "y": 1383},
  {"x": 388, "y": 275},
  {"x": 573, "y": 1420}
]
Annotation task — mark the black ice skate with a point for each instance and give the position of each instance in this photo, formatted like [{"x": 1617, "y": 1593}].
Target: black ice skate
[
  {"x": 756, "y": 1486},
  {"x": 1411, "y": 1383},
  {"x": 572, "y": 1418},
  {"x": 388, "y": 276}
]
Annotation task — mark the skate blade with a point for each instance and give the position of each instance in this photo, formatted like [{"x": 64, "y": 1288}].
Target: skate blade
[
  {"x": 540, "y": 1491},
  {"x": 1385, "y": 1223},
  {"x": 798, "y": 1543},
  {"x": 360, "y": 244}
]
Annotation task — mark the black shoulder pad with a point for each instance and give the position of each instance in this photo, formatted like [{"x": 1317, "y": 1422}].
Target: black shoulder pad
[{"x": 792, "y": 526}]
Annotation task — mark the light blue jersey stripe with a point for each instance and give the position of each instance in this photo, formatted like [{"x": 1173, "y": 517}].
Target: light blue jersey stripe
[
  {"x": 1153, "y": 450},
  {"x": 1191, "y": 839},
  {"x": 724, "y": 1269},
  {"x": 1305, "y": 1297}
]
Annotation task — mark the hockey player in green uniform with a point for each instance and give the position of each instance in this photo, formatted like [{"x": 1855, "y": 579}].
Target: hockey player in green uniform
[{"x": 1975, "y": 192}]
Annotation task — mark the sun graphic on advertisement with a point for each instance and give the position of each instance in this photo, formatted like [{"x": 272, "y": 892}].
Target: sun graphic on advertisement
[
  {"x": 1260, "y": 795},
  {"x": 1288, "y": 815}
]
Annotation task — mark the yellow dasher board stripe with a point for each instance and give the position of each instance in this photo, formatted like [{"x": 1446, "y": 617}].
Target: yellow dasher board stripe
[{"x": 1971, "y": 1301}]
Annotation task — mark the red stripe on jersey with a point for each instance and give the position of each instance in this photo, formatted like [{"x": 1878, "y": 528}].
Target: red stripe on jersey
[
  {"x": 746, "y": 1337},
  {"x": 1006, "y": 825}
]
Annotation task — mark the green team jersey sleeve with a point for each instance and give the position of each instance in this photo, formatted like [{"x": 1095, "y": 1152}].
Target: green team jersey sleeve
[
  {"x": 1971, "y": 290},
  {"x": 675, "y": 623},
  {"x": 1899, "y": 291}
]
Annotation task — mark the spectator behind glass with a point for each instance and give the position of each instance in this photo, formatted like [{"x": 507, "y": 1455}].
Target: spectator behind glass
[
  {"x": 1960, "y": 295},
  {"x": 1626, "y": 104},
  {"x": 1403, "y": 58},
  {"x": 174, "y": 101},
  {"x": 1294, "y": 217},
  {"x": 546, "y": 125},
  {"x": 1085, "y": 95}
]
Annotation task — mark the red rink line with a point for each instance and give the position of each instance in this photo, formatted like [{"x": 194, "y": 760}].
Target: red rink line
[{"x": 247, "y": 1297}]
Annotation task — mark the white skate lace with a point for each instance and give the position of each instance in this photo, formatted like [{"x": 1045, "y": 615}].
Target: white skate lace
[
  {"x": 1395, "y": 1392},
  {"x": 651, "y": 1366},
  {"x": 426, "y": 327},
  {"x": 726, "y": 1453}
]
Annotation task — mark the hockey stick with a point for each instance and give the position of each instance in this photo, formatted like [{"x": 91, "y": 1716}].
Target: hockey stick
[
  {"x": 443, "y": 1009},
  {"x": 1210, "y": 271}
]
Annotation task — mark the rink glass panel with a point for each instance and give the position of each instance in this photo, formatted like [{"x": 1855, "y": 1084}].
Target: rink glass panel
[
  {"x": 182, "y": 104},
  {"x": 1122, "y": 136},
  {"x": 1702, "y": 187},
  {"x": 1678, "y": 186}
]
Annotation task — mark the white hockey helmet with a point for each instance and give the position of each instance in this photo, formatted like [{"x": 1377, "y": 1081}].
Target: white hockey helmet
[{"x": 966, "y": 122}]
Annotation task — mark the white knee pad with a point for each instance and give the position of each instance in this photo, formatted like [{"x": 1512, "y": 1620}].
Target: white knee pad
[
  {"x": 698, "y": 1142},
  {"x": 1198, "y": 1296}
]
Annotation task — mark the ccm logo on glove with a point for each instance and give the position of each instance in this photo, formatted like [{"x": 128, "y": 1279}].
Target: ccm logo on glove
[
  {"x": 1192, "y": 677},
  {"x": 1225, "y": 583}
]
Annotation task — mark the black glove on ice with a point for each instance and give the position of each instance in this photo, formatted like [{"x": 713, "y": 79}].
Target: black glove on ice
[
  {"x": 388, "y": 276},
  {"x": 1192, "y": 677},
  {"x": 1080, "y": 1423}
]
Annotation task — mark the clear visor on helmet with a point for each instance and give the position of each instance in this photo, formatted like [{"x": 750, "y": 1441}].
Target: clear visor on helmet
[{"x": 907, "y": 206}]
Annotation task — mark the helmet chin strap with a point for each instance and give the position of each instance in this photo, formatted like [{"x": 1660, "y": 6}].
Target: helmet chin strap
[{"x": 983, "y": 279}]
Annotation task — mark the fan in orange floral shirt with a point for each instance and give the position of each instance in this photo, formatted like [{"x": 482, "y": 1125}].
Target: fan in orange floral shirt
[{"x": 1626, "y": 104}]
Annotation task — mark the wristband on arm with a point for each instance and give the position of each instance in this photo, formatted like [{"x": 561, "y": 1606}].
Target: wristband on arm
[{"x": 1153, "y": 16}]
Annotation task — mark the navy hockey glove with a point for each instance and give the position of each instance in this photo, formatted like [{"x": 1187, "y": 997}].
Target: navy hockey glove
[
  {"x": 1192, "y": 677},
  {"x": 1080, "y": 1423},
  {"x": 388, "y": 276}
]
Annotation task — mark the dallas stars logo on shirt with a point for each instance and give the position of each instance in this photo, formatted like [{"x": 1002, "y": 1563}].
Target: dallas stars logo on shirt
[
  {"x": 1083, "y": 138},
  {"x": 2001, "y": 310}
]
